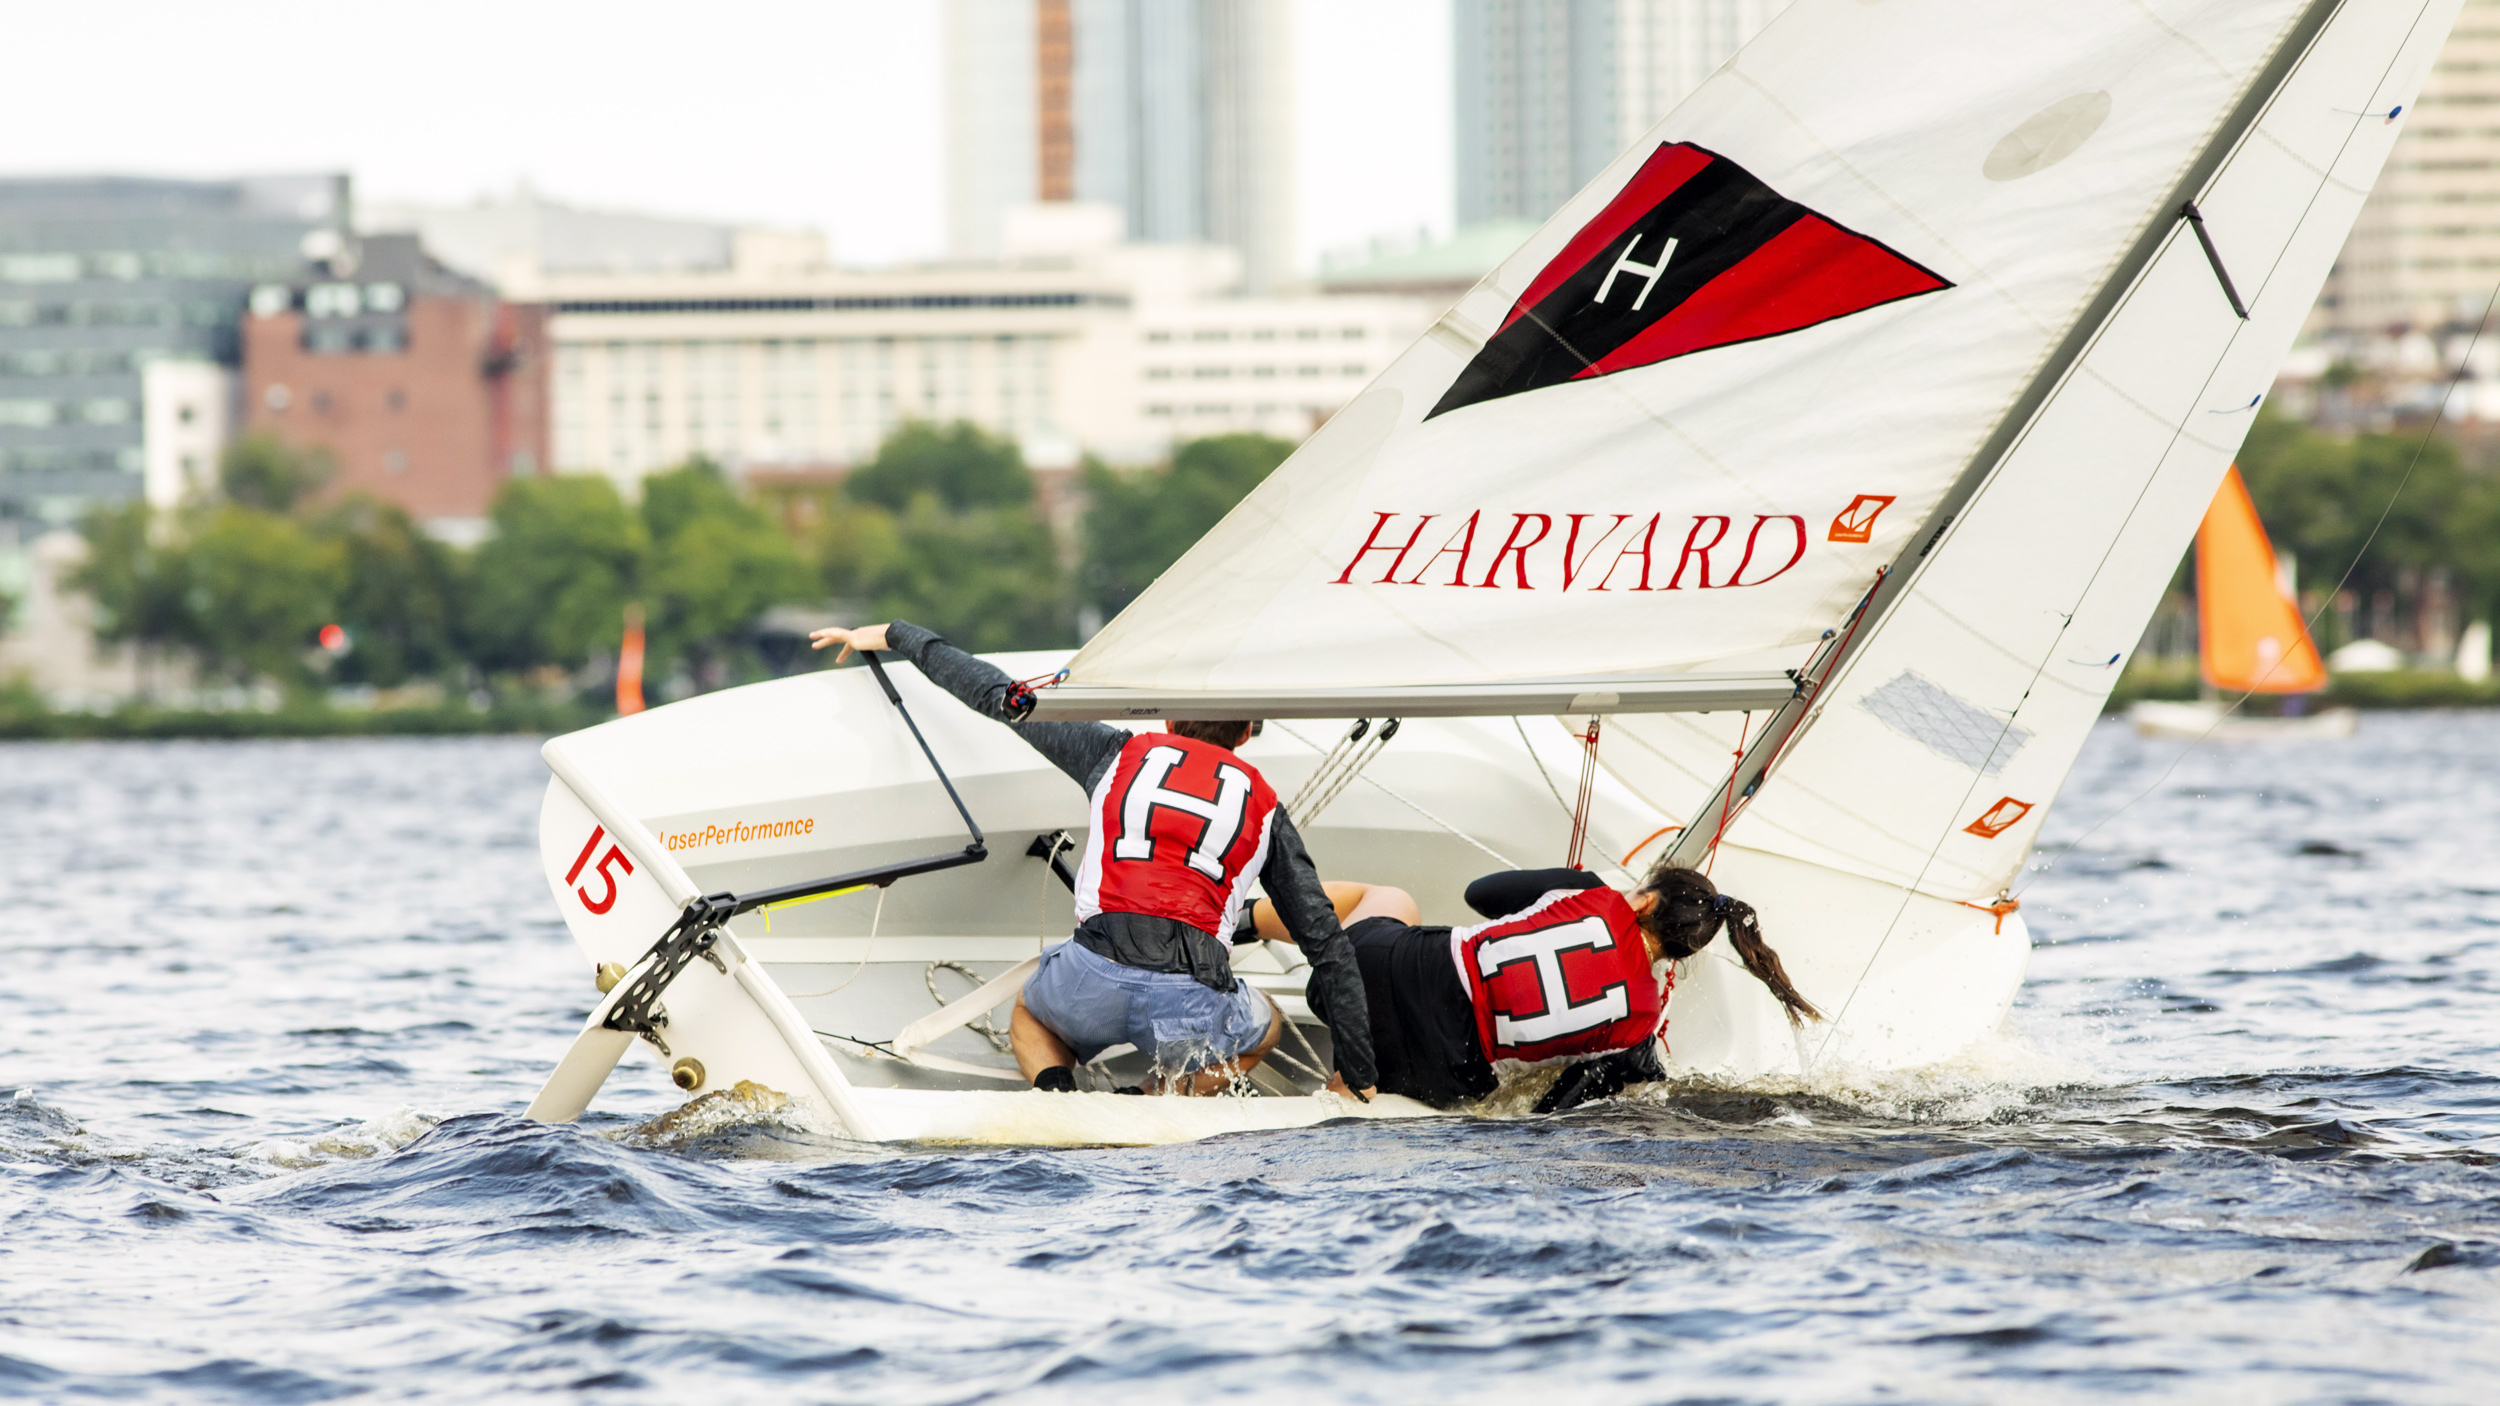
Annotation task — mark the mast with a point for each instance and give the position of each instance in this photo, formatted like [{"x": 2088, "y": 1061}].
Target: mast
[{"x": 1841, "y": 645}]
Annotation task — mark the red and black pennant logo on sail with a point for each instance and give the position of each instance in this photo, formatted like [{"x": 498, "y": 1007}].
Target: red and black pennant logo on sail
[{"x": 1694, "y": 253}]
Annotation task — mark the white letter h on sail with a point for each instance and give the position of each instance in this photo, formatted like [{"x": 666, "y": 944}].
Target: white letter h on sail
[{"x": 1624, "y": 264}]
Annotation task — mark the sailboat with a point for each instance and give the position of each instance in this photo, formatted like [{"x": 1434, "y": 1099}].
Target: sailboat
[
  {"x": 1791, "y": 499},
  {"x": 2250, "y": 637}
]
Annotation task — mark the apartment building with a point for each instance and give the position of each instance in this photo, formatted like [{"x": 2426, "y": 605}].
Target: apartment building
[{"x": 424, "y": 387}]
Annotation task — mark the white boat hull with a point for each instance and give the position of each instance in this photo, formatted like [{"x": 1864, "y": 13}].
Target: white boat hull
[
  {"x": 816, "y": 775},
  {"x": 2203, "y": 721}
]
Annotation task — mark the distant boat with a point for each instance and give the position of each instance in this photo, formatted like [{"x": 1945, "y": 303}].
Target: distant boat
[{"x": 2251, "y": 638}]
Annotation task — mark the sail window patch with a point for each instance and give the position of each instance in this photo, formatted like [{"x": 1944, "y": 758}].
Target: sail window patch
[
  {"x": 2046, "y": 137},
  {"x": 1693, "y": 253},
  {"x": 1921, "y": 710}
]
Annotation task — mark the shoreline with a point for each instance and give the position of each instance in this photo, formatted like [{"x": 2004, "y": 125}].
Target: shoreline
[
  {"x": 2178, "y": 682},
  {"x": 2394, "y": 690},
  {"x": 143, "y": 724}
]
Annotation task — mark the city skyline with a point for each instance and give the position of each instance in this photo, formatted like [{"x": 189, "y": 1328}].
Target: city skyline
[{"x": 580, "y": 113}]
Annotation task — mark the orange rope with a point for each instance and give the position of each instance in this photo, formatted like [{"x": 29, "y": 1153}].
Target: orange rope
[
  {"x": 2000, "y": 908},
  {"x": 1644, "y": 844}
]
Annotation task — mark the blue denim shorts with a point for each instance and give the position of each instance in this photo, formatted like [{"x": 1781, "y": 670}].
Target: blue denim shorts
[{"x": 1174, "y": 1020}]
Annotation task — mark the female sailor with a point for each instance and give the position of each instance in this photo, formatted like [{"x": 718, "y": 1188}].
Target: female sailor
[{"x": 1566, "y": 970}]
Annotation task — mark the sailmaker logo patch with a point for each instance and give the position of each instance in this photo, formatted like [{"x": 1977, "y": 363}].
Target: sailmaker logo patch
[{"x": 1693, "y": 253}]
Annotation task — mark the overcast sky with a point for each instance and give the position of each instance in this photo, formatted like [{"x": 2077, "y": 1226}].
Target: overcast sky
[{"x": 822, "y": 114}]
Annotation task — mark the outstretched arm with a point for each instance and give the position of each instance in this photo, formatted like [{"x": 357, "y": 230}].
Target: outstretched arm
[
  {"x": 1603, "y": 1077},
  {"x": 1500, "y": 894},
  {"x": 1335, "y": 990},
  {"x": 1079, "y": 749}
]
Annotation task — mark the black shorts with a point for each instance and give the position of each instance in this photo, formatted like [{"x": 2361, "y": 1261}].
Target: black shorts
[{"x": 1423, "y": 1022}]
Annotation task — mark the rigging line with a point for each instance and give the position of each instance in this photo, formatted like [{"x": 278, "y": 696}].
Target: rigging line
[
  {"x": 1811, "y": 707},
  {"x": 1550, "y": 787},
  {"x": 1588, "y": 786},
  {"x": 1352, "y": 768},
  {"x": 883, "y": 1047},
  {"x": 1786, "y": 723},
  {"x": 1727, "y": 794},
  {"x": 1555, "y": 791},
  {"x": 1498, "y": 856},
  {"x": 2325, "y": 604},
  {"x": 1833, "y": 1026},
  {"x": 1319, "y": 774},
  {"x": 1300, "y": 1037},
  {"x": 864, "y": 957},
  {"x": 1283, "y": 1058}
]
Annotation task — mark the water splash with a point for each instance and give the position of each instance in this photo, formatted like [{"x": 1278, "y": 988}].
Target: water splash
[{"x": 387, "y": 1133}]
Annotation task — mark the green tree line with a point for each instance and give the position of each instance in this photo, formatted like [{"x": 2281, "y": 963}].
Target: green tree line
[
  {"x": 2322, "y": 496},
  {"x": 944, "y": 526}
]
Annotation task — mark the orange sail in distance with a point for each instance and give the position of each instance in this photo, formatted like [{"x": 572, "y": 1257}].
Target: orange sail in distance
[
  {"x": 2253, "y": 639},
  {"x": 629, "y": 665}
]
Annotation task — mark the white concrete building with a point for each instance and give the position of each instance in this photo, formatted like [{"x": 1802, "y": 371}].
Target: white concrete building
[
  {"x": 492, "y": 238},
  {"x": 1072, "y": 345},
  {"x": 186, "y": 410}
]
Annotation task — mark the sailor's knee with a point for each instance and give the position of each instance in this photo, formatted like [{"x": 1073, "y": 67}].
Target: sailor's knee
[{"x": 1386, "y": 901}]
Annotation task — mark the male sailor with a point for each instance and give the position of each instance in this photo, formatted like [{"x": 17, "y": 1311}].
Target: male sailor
[
  {"x": 1180, "y": 829},
  {"x": 1567, "y": 971}
]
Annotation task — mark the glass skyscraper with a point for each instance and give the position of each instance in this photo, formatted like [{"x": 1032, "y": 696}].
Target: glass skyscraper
[{"x": 101, "y": 278}]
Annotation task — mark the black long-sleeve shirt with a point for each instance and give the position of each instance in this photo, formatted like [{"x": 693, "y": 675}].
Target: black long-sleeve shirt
[
  {"x": 1085, "y": 751},
  {"x": 1506, "y": 891}
]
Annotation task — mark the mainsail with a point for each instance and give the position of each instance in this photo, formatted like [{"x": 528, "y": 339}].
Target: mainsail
[
  {"x": 1926, "y": 330},
  {"x": 1897, "y": 270}
]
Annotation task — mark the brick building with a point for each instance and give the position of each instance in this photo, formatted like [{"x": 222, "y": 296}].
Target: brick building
[{"x": 427, "y": 389}]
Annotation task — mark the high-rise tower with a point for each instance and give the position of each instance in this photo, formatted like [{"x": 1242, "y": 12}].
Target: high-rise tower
[
  {"x": 2425, "y": 252},
  {"x": 1549, "y": 91},
  {"x": 1179, "y": 113}
]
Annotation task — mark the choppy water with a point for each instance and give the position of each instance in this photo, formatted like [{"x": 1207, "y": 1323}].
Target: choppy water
[{"x": 273, "y": 1008}]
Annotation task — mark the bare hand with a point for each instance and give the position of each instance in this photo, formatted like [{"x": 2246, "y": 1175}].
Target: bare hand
[
  {"x": 1336, "y": 1085},
  {"x": 854, "y": 639}
]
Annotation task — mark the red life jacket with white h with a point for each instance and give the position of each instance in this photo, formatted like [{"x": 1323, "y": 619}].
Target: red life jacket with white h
[
  {"x": 1180, "y": 831},
  {"x": 1567, "y": 976}
]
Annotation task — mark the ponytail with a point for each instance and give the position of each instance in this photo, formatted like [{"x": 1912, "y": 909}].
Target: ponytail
[
  {"x": 1764, "y": 963},
  {"x": 1691, "y": 910}
]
